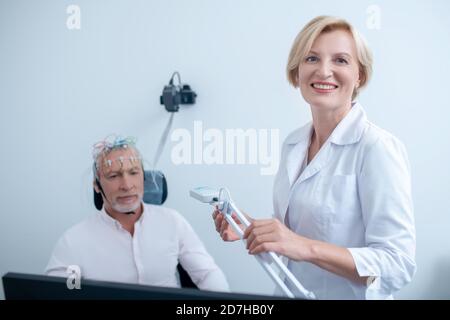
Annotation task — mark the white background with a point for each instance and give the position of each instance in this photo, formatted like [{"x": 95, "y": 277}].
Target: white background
[{"x": 62, "y": 90}]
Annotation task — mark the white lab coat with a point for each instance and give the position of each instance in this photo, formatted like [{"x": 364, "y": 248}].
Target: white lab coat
[{"x": 355, "y": 193}]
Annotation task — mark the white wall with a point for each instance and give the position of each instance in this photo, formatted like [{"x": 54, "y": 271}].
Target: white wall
[{"x": 61, "y": 90}]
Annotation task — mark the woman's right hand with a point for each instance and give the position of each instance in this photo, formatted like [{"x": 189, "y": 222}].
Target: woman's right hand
[{"x": 223, "y": 227}]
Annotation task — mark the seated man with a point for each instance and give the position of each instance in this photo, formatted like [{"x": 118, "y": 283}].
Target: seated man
[{"x": 129, "y": 241}]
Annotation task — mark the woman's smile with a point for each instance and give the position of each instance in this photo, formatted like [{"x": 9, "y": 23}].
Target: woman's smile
[{"x": 324, "y": 87}]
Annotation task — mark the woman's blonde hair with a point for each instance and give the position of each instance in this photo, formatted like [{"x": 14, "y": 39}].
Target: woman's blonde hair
[{"x": 305, "y": 39}]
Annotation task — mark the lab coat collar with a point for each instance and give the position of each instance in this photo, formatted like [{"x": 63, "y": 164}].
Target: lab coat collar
[
  {"x": 351, "y": 128},
  {"x": 348, "y": 131},
  {"x": 300, "y": 135}
]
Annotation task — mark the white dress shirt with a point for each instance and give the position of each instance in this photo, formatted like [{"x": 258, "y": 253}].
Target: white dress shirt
[
  {"x": 355, "y": 193},
  {"x": 104, "y": 250}
]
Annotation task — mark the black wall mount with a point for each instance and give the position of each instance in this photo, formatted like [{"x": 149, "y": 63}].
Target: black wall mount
[{"x": 174, "y": 95}]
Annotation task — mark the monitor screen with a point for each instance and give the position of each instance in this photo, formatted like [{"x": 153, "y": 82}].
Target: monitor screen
[{"x": 30, "y": 287}]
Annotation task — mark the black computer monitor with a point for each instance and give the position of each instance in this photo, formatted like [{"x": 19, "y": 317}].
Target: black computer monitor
[{"x": 20, "y": 286}]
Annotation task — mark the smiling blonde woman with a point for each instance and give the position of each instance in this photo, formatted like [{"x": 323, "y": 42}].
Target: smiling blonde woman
[{"x": 343, "y": 211}]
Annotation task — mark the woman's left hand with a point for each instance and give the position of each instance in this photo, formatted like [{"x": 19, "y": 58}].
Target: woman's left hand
[{"x": 271, "y": 235}]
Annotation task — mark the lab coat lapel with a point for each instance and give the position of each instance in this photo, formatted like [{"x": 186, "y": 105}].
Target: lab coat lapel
[
  {"x": 296, "y": 154},
  {"x": 294, "y": 161},
  {"x": 295, "y": 144},
  {"x": 320, "y": 160},
  {"x": 348, "y": 131}
]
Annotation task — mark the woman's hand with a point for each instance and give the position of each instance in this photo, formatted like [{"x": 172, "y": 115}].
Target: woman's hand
[
  {"x": 271, "y": 235},
  {"x": 223, "y": 227}
]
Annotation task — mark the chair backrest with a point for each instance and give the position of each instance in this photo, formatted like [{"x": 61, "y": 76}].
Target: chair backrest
[
  {"x": 155, "y": 187},
  {"x": 185, "y": 279}
]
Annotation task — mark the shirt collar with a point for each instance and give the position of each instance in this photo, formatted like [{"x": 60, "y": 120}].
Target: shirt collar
[
  {"x": 113, "y": 222},
  {"x": 348, "y": 131}
]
